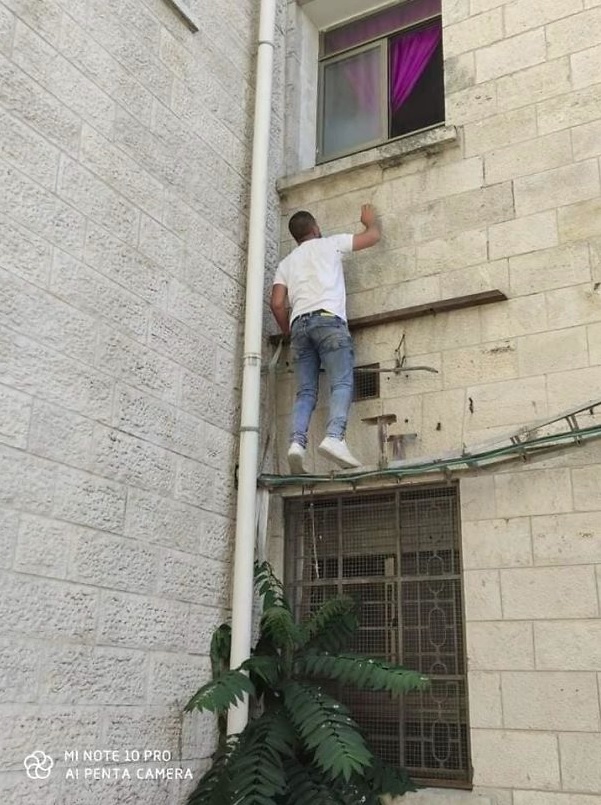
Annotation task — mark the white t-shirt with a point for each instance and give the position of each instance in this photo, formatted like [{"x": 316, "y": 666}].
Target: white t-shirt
[{"x": 313, "y": 275}]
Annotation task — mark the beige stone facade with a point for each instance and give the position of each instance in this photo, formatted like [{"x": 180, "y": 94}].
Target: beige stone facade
[
  {"x": 124, "y": 174},
  {"x": 124, "y": 170},
  {"x": 513, "y": 203}
]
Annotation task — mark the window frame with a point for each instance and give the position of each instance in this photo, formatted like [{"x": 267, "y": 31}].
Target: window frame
[
  {"x": 344, "y": 53},
  {"x": 377, "y": 44},
  {"x": 294, "y": 586}
]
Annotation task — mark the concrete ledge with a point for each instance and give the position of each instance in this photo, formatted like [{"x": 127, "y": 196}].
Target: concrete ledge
[
  {"x": 186, "y": 12},
  {"x": 386, "y": 156}
]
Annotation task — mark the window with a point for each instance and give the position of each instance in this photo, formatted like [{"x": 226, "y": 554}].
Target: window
[
  {"x": 380, "y": 77},
  {"x": 397, "y": 553}
]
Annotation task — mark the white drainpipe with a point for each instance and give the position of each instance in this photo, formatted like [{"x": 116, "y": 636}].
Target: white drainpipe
[{"x": 242, "y": 600}]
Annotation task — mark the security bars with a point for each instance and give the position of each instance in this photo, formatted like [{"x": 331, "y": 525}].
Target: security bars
[{"x": 397, "y": 553}]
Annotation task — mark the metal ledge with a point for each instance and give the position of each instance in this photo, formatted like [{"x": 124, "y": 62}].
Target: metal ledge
[
  {"x": 429, "y": 309},
  {"x": 419, "y": 311},
  {"x": 386, "y": 156},
  {"x": 445, "y": 466}
]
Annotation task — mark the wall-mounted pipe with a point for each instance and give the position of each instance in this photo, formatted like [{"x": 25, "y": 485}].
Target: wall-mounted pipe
[{"x": 242, "y": 600}]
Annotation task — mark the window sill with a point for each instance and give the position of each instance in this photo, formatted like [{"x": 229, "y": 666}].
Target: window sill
[{"x": 386, "y": 156}]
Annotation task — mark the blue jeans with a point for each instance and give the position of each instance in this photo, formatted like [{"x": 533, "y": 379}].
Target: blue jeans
[{"x": 321, "y": 341}]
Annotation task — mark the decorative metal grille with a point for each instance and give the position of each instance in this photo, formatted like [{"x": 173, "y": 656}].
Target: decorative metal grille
[{"x": 397, "y": 553}]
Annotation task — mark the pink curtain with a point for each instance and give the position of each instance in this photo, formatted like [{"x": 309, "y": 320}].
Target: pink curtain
[{"x": 409, "y": 57}]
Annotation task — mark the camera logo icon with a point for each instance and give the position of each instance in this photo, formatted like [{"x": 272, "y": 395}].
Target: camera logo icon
[{"x": 38, "y": 765}]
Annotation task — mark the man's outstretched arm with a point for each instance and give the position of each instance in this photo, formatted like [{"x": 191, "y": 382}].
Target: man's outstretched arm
[
  {"x": 279, "y": 308},
  {"x": 372, "y": 232}
]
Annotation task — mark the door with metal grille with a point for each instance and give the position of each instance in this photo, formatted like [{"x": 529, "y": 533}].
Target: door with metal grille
[{"x": 397, "y": 554}]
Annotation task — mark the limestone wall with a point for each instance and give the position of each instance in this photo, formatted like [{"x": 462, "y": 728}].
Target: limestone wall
[
  {"x": 124, "y": 171},
  {"x": 513, "y": 204}
]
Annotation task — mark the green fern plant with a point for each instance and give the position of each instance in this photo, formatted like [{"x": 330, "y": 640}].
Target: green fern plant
[{"x": 302, "y": 747}]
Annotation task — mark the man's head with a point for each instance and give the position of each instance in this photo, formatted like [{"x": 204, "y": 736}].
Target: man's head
[{"x": 303, "y": 226}]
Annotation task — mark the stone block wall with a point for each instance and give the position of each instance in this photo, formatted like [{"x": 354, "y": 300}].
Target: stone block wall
[
  {"x": 514, "y": 204},
  {"x": 124, "y": 170},
  {"x": 532, "y": 558}
]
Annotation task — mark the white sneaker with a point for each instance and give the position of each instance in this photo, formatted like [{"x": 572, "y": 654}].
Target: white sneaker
[
  {"x": 296, "y": 455},
  {"x": 337, "y": 450}
]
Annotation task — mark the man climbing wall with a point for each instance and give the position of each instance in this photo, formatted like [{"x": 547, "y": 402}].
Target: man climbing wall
[{"x": 308, "y": 301}]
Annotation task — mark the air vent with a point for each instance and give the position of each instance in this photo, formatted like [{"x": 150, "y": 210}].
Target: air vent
[{"x": 367, "y": 383}]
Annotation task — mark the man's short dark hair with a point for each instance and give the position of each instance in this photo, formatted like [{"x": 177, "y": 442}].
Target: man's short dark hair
[{"x": 301, "y": 224}]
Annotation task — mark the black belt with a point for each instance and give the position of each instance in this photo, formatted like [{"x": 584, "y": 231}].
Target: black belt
[{"x": 320, "y": 312}]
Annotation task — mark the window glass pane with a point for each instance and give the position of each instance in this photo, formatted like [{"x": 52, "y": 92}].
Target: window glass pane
[
  {"x": 352, "y": 93},
  {"x": 385, "y": 22}
]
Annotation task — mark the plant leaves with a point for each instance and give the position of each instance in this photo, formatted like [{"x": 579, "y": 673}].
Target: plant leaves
[
  {"x": 221, "y": 693},
  {"x": 306, "y": 785},
  {"x": 250, "y": 769},
  {"x": 390, "y": 780},
  {"x": 327, "y": 730},
  {"x": 265, "y": 673},
  {"x": 332, "y": 626},
  {"x": 279, "y": 626},
  {"x": 255, "y": 770},
  {"x": 212, "y": 788},
  {"x": 269, "y": 587},
  {"x": 362, "y": 672},
  {"x": 304, "y": 749}
]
